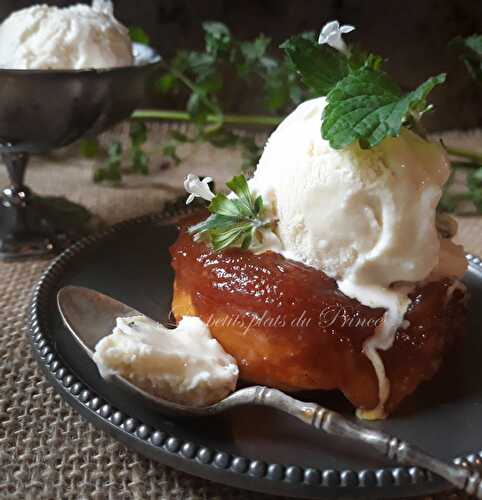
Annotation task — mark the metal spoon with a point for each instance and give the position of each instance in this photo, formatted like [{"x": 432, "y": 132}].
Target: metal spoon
[{"x": 90, "y": 315}]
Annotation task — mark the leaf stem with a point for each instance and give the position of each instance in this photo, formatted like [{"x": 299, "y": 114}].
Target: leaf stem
[
  {"x": 162, "y": 114},
  {"x": 464, "y": 153},
  {"x": 194, "y": 88}
]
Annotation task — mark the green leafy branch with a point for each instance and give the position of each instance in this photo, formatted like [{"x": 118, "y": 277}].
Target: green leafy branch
[
  {"x": 202, "y": 76},
  {"x": 199, "y": 78},
  {"x": 234, "y": 221},
  {"x": 467, "y": 198},
  {"x": 119, "y": 161},
  {"x": 468, "y": 166},
  {"x": 364, "y": 104}
]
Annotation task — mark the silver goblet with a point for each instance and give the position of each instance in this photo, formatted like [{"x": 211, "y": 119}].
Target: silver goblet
[{"x": 42, "y": 110}]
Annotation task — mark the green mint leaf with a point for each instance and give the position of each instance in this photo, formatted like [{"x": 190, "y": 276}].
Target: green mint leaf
[
  {"x": 210, "y": 83},
  {"x": 217, "y": 38},
  {"x": 201, "y": 64},
  {"x": 138, "y": 35},
  {"x": 223, "y": 231},
  {"x": 471, "y": 53},
  {"x": 258, "y": 205},
  {"x": 197, "y": 109},
  {"x": 115, "y": 152},
  {"x": 233, "y": 221},
  {"x": 166, "y": 83},
  {"x": 269, "y": 64},
  {"x": 139, "y": 162},
  {"x": 373, "y": 61},
  {"x": 138, "y": 136},
  {"x": 239, "y": 186},
  {"x": 361, "y": 58},
  {"x": 321, "y": 67},
  {"x": 367, "y": 106},
  {"x": 212, "y": 222},
  {"x": 296, "y": 94},
  {"x": 138, "y": 133},
  {"x": 255, "y": 50},
  {"x": 244, "y": 211},
  {"x": 111, "y": 169},
  {"x": 277, "y": 94},
  {"x": 223, "y": 205},
  {"x": 246, "y": 243},
  {"x": 233, "y": 236},
  {"x": 180, "y": 62}
]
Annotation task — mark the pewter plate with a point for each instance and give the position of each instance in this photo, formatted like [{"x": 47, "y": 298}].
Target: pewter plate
[{"x": 251, "y": 448}]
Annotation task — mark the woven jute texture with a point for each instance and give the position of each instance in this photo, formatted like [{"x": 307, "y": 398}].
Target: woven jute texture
[{"x": 47, "y": 451}]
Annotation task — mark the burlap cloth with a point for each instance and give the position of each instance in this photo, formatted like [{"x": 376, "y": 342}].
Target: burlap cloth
[{"x": 47, "y": 450}]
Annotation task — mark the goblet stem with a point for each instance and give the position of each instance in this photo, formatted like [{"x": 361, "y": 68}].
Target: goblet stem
[
  {"x": 17, "y": 194},
  {"x": 19, "y": 239},
  {"x": 32, "y": 226}
]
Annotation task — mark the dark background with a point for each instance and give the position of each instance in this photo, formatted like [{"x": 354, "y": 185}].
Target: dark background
[{"x": 412, "y": 34}]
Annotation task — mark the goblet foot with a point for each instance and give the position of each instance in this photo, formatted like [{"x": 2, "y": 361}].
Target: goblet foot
[
  {"x": 31, "y": 246},
  {"x": 36, "y": 226},
  {"x": 42, "y": 227}
]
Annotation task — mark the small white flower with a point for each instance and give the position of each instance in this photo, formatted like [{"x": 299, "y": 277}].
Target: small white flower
[
  {"x": 198, "y": 188},
  {"x": 331, "y": 34}
]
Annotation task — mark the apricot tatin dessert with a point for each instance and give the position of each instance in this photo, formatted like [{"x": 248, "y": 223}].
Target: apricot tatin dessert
[
  {"x": 330, "y": 268},
  {"x": 288, "y": 326}
]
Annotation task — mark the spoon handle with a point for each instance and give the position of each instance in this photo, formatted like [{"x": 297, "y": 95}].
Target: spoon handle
[{"x": 389, "y": 446}]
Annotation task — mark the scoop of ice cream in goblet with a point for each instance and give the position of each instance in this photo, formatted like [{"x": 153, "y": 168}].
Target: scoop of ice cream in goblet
[{"x": 65, "y": 73}]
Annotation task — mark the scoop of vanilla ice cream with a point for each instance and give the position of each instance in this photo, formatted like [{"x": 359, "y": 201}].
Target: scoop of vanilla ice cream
[
  {"x": 77, "y": 37},
  {"x": 185, "y": 365},
  {"x": 364, "y": 217}
]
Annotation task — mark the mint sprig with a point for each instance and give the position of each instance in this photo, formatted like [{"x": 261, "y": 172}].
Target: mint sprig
[
  {"x": 235, "y": 220},
  {"x": 367, "y": 106},
  {"x": 111, "y": 168},
  {"x": 466, "y": 201},
  {"x": 138, "y": 157},
  {"x": 321, "y": 67},
  {"x": 364, "y": 103}
]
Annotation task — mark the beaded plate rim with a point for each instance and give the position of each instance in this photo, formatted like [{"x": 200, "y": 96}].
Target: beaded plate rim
[{"x": 189, "y": 456}]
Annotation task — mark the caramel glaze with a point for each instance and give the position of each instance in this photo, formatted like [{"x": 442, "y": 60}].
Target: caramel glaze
[{"x": 289, "y": 327}]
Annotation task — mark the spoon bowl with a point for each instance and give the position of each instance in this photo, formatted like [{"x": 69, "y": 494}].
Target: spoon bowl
[{"x": 90, "y": 316}]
